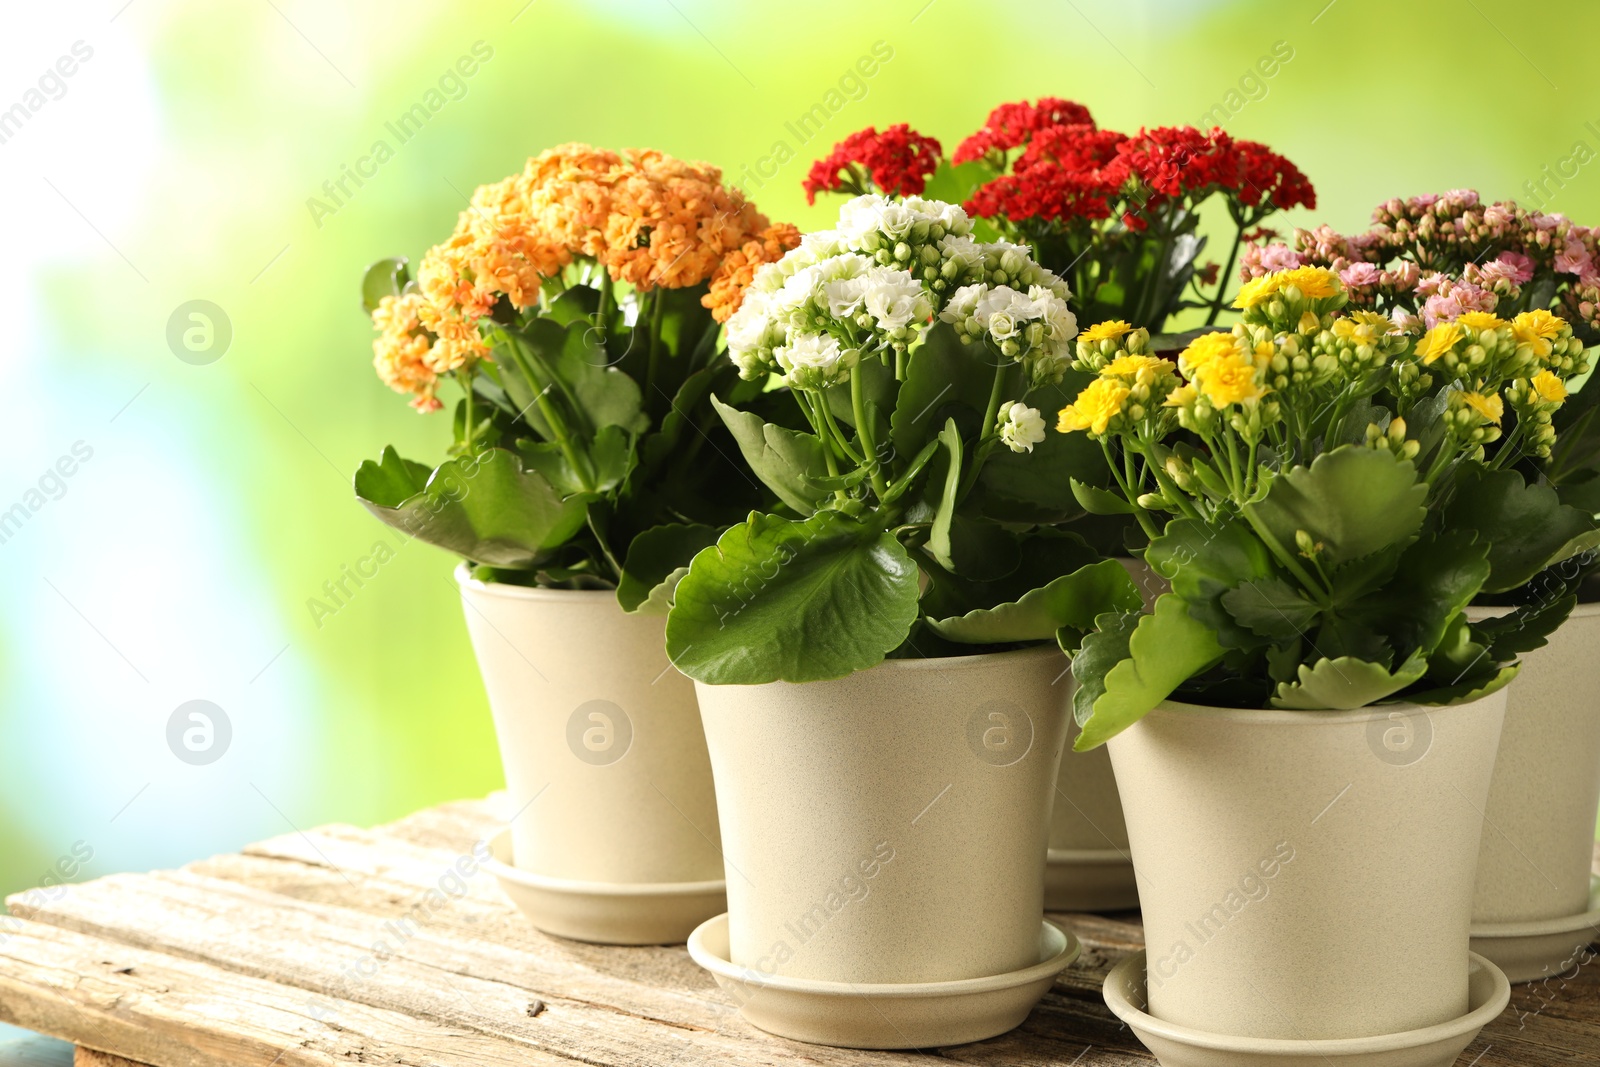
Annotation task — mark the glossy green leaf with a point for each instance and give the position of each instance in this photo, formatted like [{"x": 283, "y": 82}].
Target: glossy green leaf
[
  {"x": 1340, "y": 684},
  {"x": 787, "y": 462},
  {"x": 1166, "y": 648},
  {"x": 1072, "y": 601},
  {"x": 944, "y": 379},
  {"x": 1100, "y": 501},
  {"x": 1526, "y": 526},
  {"x": 1271, "y": 608},
  {"x": 939, "y": 540},
  {"x": 386, "y": 277},
  {"x": 1353, "y": 501},
  {"x": 657, "y": 560},
  {"x": 803, "y": 601},
  {"x": 1203, "y": 562},
  {"x": 1476, "y": 687},
  {"x": 488, "y": 508}
]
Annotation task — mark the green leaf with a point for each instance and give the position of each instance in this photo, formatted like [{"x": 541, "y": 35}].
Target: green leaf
[
  {"x": 801, "y": 601},
  {"x": 1100, "y": 501},
  {"x": 573, "y": 362},
  {"x": 788, "y": 462},
  {"x": 577, "y": 304},
  {"x": 1165, "y": 649},
  {"x": 1474, "y": 688},
  {"x": 1038, "y": 486},
  {"x": 1072, "y": 601},
  {"x": 944, "y": 379},
  {"x": 1271, "y": 608},
  {"x": 1344, "y": 683},
  {"x": 939, "y": 545},
  {"x": 487, "y": 507},
  {"x": 1353, "y": 501},
  {"x": 1525, "y": 629},
  {"x": 390, "y": 480},
  {"x": 386, "y": 277},
  {"x": 657, "y": 559},
  {"x": 1526, "y": 527},
  {"x": 955, "y": 183},
  {"x": 1203, "y": 562}
]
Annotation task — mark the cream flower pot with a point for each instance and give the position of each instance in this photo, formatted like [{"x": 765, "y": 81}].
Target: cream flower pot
[
  {"x": 1538, "y": 834},
  {"x": 1089, "y": 866},
  {"x": 607, "y": 775},
  {"x": 889, "y": 828},
  {"x": 1307, "y": 875}
]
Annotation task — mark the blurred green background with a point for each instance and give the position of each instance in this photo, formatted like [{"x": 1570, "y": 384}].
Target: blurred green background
[{"x": 179, "y": 160}]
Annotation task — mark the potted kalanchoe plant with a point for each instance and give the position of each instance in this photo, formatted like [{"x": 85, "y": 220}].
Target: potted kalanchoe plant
[
  {"x": 1118, "y": 215},
  {"x": 1327, "y": 495},
  {"x": 576, "y": 308},
  {"x": 874, "y": 662},
  {"x": 1428, "y": 261}
]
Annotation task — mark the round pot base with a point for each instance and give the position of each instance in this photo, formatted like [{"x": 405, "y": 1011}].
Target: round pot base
[
  {"x": 872, "y": 1015},
  {"x": 605, "y": 913},
  {"x": 1539, "y": 948},
  {"x": 1089, "y": 880},
  {"x": 1433, "y": 1046}
]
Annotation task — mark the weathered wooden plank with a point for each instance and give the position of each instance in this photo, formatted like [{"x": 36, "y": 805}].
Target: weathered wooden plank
[
  {"x": 88, "y": 1057},
  {"x": 478, "y": 986},
  {"x": 155, "y": 1009}
]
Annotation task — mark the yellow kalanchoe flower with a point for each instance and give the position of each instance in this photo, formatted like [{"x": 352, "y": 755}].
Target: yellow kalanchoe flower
[
  {"x": 1481, "y": 320},
  {"x": 1439, "y": 340},
  {"x": 1537, "y": 328},
  {"x": 1230, "y": 380},
  {"x": 1129, "y": 366},
  {"x": 1491, "y": 407},
  {"x": 1551, "y": 389},
  {"x": 1099, "y": 403},
  {"x": 1205, "y": 348},
  {"x": 1105, "y": 331},
  {"x": 1314, "y": 283}
]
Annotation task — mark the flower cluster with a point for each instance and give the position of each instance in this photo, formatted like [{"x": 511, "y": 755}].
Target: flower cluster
[
  {"x": 898, "y": 162},
  {"x": 877, "y": 281},
  {"x": 1013, "y": 125},
  {"x": 646, "y": 220},
  {"x": 1430, "y": 259}
]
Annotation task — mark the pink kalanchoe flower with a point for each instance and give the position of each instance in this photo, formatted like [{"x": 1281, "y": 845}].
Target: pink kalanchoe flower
[
  {"x": 1402, "y": 278},
  {"x": 1573, "y": 259},
  {"x": 1462, "y": 198},
  {"x": 1454, "y": 299},
  {"x": 1428, "y": 284},
  {"x": 1405, "y": 321},
  {"x": 1498, "y": 217},
  {"x": 1520, "y": 266},
  {"x": 1492, "y": 274},
  {"x": 1545, "y": 222},
  {"x": 1359, "y": 274},
  {"x": 1279, "y": 257},
  {"x": 1423, "y": 202}
]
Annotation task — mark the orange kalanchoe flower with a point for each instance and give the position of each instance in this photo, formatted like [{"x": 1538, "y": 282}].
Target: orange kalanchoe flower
[
  {"x": 649, "y": 220},
  {"x": 739, "y": 267}
]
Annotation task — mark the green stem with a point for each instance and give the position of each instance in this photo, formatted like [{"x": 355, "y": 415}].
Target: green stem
[
  {"x": 869, "y": 449},
  {"x": 840, "y": 438},
  {"x": 1138, "y": 513},
  {"x": 605, "y": 549},
  {"x": 657, "y": 306},
  {"x": 1286, "y": 558},
  {"x": 603, "y": 315},
  {"x": 1227, "y": 272}
]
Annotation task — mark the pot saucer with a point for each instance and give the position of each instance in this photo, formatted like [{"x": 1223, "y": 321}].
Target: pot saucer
[
  {"x": 883, "y": 1015},
  {"x": 1089, "y": 880},
  {"x": 1540, "y": 948},
  {"x": 605, "y": 913},
  {"x": 1488, "y": 993}
]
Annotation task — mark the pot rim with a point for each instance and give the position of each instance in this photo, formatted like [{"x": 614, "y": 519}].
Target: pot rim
[
  {"x": 525, "y": 592},
  {"x": 1475, "y": 1019},
  {"x": 1332, "y": 717},
  {"x": 947, "y": 663}
]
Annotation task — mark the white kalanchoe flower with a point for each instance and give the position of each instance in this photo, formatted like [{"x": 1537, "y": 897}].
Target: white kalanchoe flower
[
  {"x": 895, "y": 300},
  {"x": 1021, "y": 427},
  {"x": 815, "y": 361},
  {"x": 753, "y": 334}
]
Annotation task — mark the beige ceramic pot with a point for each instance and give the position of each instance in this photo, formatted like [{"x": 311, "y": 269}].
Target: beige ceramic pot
[
  {"x": 1089, "y": 867},
  {"x": 1538, "y": 834},
  {"x": 1307, "y": 875},
  {"x": 607, "y": 775},
  {"x": 889, "y": 827}
]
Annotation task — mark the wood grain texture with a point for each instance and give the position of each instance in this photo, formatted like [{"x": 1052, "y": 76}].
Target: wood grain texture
[{"x": 388, "y": 946}]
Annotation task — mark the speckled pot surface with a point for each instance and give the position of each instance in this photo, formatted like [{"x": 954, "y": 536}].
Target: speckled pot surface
[
  {"x": 889, "y": 827},
  {"x": 1538, "y": 834},
  {"x": 1307, "y": 875},
  {"x": 606, "y": 766}
]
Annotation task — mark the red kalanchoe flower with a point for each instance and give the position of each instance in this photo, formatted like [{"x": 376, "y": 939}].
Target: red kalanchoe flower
[
  {"x": 899, "y": 161},
  {"x": 1012, "y": 125},
  {"x": 1066, "y": 172},
  {"x": 1264, "y": 174},
  {"x": 1176, "y": 160}
]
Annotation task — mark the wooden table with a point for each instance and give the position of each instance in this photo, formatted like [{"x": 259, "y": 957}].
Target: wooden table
[{"x": 350, "y": 946}]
